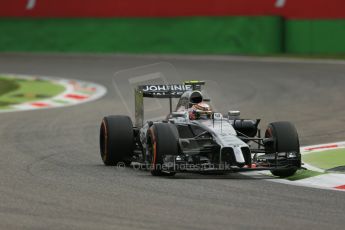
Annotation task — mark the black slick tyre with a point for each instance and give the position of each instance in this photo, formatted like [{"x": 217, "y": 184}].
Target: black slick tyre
[
  {"x": 162, "y": 140},
  {"x": 286, "y": 139},
  {"x": 116, "y": 139}
]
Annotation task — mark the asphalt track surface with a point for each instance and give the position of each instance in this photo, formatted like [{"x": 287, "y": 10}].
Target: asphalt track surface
[{"x": 51, "y": 176}]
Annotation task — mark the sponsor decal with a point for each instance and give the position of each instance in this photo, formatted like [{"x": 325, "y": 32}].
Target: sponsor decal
[
  {"x": 163, "y": 94},
  {"x": 164, "y": 90},
  {"x": 167, "y": 88}
]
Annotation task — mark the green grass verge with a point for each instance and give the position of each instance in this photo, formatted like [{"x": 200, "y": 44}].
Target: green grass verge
[
  {"x": 16, "y": 91},
  {"x": 7, "y": 85},
  {"x": 326, "y": 159},
  {"x": 303, "y": 174}
]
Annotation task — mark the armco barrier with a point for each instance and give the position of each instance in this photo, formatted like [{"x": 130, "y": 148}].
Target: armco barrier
[
  {"x": 315, "y": 36},
  {"x": 242, "y": 35},
  {"x": 301, "y": 9}
]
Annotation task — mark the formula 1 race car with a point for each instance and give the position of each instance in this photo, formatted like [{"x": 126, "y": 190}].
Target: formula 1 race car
[{"x": 193, "y": 138}]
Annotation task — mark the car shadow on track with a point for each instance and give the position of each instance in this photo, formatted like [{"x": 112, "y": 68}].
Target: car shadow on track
[
  {"x": 191, "y": 176},
  {"x": 230, "y": 176}
]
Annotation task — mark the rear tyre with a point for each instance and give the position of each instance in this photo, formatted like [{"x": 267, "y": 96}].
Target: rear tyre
[
  {"x": 116, "y": 139},
  {"x": 286, "y": 139},
  {"x": 162, "y": 140}
]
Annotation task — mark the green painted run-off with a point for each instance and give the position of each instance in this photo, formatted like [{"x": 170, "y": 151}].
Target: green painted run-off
[
  {"x": 16, "y": 90},
  {"x": 326, "y": 159}
]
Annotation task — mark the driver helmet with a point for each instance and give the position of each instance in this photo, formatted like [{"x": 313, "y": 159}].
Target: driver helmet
[{"x": 200, "y": 111}]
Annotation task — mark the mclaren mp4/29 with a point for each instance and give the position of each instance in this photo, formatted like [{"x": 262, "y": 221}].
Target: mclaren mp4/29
[{"x": 194, "y": 138}]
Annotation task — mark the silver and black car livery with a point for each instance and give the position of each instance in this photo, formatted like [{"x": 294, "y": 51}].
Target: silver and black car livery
[{"x": 214, "y": 143}]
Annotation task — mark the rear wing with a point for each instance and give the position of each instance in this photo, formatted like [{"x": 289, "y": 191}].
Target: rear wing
[
  {"x": 160, "y": 91},
  {"x": 163, "y": 91}
]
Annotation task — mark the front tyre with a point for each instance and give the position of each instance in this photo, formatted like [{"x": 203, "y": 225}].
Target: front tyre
[
  {"x": 162, "y": 140},
  {"x": 116, "y": 139},
  {"x": 285, "y": 139}
]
